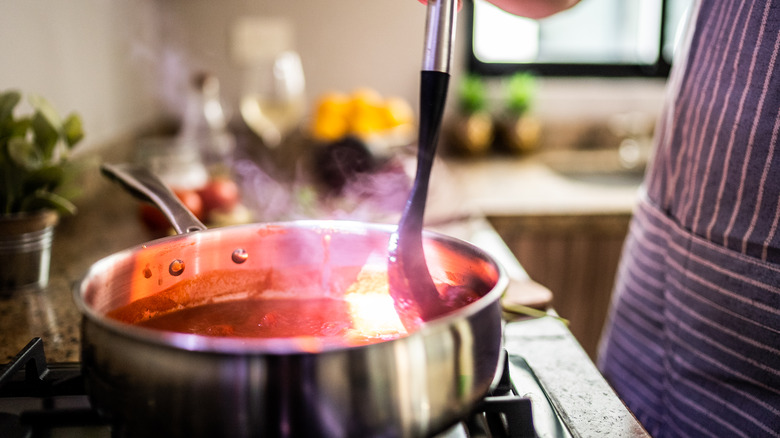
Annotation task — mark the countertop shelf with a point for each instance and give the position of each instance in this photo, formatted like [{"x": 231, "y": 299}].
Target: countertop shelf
[{"x": 531, "y": 185}]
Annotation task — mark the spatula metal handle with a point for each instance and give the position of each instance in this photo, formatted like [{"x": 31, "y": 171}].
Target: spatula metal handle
[{"x": 439, "y": 35}]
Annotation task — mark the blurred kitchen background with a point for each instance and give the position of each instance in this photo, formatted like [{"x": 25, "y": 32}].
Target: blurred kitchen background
[{"x": 561, "y": 198}]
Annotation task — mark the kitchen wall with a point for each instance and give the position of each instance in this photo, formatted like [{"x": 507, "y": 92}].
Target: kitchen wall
[
  {"x": 343, "y": 44},
  {"x": 124, "y": 63},
  {"x": 352, "y": 43},
  {"x": 92, "y": 56}
]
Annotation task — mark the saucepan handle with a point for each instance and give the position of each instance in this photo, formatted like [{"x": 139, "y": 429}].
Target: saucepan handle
[{"x": 146, "y": 186}]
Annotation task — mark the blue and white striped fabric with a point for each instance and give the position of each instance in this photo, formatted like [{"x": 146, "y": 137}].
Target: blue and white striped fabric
[{"x": 693, "y": 339}]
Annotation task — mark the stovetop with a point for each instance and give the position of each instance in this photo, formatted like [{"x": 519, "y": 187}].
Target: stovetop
[{"x": 38, "y": 399}]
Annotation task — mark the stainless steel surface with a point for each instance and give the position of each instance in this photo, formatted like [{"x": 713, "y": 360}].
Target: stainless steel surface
[
  {"x": 439, "y": 35},
  {"x": 547, "y": 419},
  {"x": 25, "y": 250},
  {"x": 188, "y": 385},
  {"x": 64, "y": 407},
  {"x": 147, "y": 186},
  {"x": 25, "y": 260}
]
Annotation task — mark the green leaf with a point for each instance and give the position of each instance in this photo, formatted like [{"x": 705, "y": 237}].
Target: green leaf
[
  {"x": 72, "y": 130},
  {"x": 44, "y": 108},
  {"x": 11, "y": 129},
  {"x": 33, "y": 172},
  {"x": 49, "y": 178},
  {"x": 520, "y": 92},
  {"x": 70, "y": 192},
  {"x": 43, "y": 199},
  {"x": 20, "y": 127},
  {"x": 24, "y": 154},
  {"x": 473, "y": 94},
  {"x": 10, "y": 182},
  {"x": 46, "y": 135},
  {"x": 46, "y": 125},
  {"x": 8, "y": 101}
]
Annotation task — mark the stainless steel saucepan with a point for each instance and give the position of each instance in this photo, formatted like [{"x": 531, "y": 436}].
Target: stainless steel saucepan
[{"x": 159, "y": 383}]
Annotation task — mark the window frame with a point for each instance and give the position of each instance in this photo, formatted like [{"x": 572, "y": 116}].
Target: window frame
[{"x": 660, "y": 69}]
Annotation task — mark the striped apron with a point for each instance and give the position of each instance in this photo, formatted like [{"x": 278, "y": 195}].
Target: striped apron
[{"x": 692, "y": 343}]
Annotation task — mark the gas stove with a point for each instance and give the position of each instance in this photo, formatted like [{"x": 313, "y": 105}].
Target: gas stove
[{"x": 40, "y": 399}]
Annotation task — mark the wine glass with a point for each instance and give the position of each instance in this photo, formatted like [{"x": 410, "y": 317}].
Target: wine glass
[{"x": 273, "y": 101}]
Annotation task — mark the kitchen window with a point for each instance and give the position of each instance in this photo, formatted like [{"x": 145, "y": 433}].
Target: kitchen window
[{"x": 594, "y": 38}]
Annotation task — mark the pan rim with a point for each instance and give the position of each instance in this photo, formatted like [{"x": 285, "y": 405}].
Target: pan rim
[{"x": 282, "y": 346}]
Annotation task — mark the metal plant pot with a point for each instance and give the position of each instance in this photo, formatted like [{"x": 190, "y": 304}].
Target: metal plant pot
[{"x": 25, "y": 249}]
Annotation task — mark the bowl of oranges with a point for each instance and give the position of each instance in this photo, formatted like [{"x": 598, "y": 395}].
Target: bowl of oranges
[{"x": 380, "y": 122}]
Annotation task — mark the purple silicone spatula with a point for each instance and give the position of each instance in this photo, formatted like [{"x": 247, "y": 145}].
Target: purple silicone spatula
[{"x": 411, "y": 286}]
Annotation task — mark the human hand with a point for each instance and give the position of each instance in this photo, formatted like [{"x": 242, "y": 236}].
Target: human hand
[
  {"x": 528, "y": 8},
  {"x": 460, "y": 3}
]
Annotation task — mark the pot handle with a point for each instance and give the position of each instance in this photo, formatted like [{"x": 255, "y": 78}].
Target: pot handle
[{"x": 146, "y": 186}]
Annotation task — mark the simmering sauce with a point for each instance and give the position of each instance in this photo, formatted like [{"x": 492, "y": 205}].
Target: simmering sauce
[
  {"x": 363, "y": 314},
  {"x": 259, "y": 318}
]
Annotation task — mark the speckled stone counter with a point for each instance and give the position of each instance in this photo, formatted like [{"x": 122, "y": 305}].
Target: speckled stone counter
[
  {"x": 106, "y": 223},
  {"x": 533, "y": 185},
  {"x": 576, "y": 389}
]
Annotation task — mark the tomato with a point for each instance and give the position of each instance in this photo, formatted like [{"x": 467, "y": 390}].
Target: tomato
[
  {"x": 153, "y": 218},
  {"x": 219, "y": 194},
  {"x": 192, "y": 200},
  {"x": 156, "y": 220}
]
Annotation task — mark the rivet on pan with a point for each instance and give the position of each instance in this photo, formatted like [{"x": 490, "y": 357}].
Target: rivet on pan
[
  {"x": 176, "y": 267},
  {"x": 239, "y": 256},
  {"x": 147, "y": 272}
]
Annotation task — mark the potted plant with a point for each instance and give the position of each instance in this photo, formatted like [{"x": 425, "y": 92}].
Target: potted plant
[
  {"x": 518, "y": 131},
  {"x": 472, "y": 126},
  {"x": 34, "y": 186}
]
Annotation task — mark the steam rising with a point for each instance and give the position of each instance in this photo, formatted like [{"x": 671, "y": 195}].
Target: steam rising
[{"x": 373, "y": 194}]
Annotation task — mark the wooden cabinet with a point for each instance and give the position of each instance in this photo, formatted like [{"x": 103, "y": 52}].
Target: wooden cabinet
[{"x": 576, "y": 257}]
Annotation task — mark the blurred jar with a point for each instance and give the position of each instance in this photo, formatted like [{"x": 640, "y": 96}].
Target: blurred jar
[{"x": 204, "y": 128}]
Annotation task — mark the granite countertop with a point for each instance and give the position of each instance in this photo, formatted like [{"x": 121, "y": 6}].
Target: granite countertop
[
  {"x": 575, "y": 388},
  {"x": 105, "y": 223},
  {"x": 541, "y": 184}
]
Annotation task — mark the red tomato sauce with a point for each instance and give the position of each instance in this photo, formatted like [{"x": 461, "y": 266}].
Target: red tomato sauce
[{"x": 259, "y": 318}]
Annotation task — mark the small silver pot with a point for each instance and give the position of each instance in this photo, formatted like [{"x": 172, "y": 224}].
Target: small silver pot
[
  {"x": 158, "y": 383},
  {"x": 25, "y": 250}
]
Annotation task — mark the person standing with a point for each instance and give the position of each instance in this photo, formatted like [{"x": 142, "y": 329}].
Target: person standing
[{"x": 692, "y": 340}]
